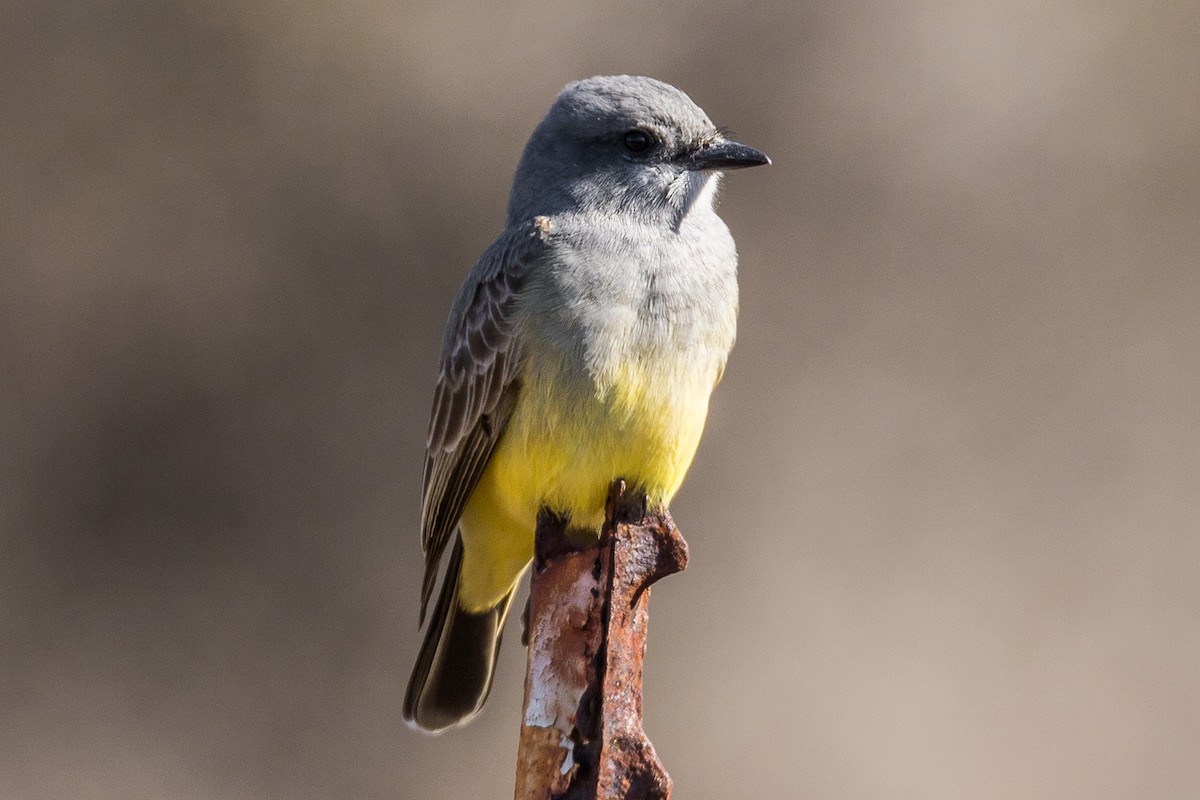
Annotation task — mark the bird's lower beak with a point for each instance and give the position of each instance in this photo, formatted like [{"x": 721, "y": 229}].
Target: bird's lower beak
[{"x": 723, "y": 154}]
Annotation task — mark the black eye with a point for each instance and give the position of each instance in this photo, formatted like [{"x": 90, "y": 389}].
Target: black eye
[{"x": 638, "y": 140}]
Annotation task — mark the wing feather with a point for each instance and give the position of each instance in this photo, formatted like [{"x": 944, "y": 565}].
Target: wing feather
[{"x": 477, "y": 386}]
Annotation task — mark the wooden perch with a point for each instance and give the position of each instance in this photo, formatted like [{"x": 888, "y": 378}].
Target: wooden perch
[{"x": 582, "y": 737}]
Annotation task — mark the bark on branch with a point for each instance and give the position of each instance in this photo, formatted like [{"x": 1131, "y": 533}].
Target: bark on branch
[{"x": 582, "y": 737}]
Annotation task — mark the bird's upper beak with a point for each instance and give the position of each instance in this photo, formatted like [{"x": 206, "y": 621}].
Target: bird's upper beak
[{"x": 723, "y": 154}]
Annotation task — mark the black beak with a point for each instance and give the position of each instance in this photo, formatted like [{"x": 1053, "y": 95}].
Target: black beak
[{"x": 723, "y": 154}]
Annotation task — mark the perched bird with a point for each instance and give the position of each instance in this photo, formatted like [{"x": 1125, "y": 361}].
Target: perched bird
[{"x": 581, "y": 349}]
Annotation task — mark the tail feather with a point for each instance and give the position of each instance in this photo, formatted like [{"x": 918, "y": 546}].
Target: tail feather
[{"x": 456, "y": 664}]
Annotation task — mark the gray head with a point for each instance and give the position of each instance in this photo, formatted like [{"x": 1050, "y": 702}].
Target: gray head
[{"x": 623, "y": 144}]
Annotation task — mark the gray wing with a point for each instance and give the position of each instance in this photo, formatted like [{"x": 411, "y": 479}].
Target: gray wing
[{"x": 476, "y": 387}]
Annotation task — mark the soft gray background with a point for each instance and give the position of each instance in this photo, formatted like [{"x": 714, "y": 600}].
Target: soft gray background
[{"x": 945, "y": 520}]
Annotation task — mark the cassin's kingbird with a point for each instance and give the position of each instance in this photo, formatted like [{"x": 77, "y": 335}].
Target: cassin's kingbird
[{"x": 581, "y": 349}]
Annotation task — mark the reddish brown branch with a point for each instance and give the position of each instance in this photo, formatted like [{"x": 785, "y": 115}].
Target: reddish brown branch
[{"x": 582, "y": 737}]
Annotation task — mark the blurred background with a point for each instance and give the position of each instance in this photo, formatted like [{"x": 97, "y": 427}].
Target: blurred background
[{"x": 944, "y": 523}]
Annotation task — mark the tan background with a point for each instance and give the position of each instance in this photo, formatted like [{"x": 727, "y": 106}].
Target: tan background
[{"x": 944, "y": 522}]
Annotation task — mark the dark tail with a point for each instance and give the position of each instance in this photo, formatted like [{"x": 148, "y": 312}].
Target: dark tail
[{"x": 454, "y": 669}]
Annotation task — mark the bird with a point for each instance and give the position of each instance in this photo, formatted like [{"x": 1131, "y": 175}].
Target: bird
[{"x": 581, "y": 349}]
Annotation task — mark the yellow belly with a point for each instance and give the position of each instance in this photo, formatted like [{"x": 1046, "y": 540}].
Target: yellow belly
[{"x": 563, "y": 447}]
